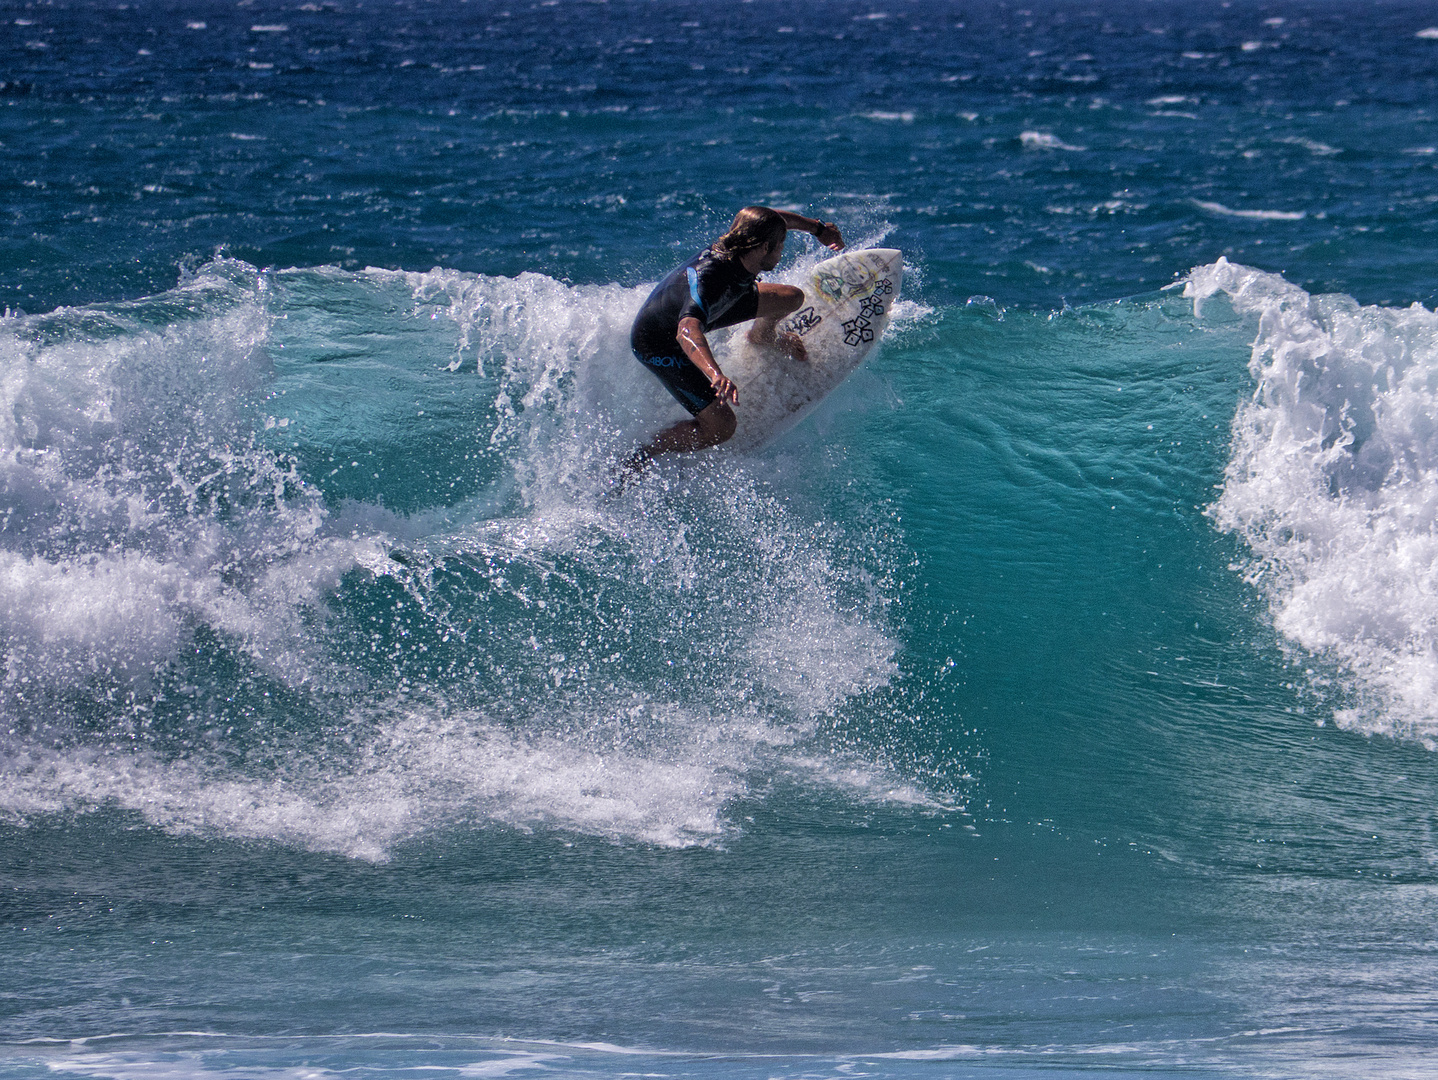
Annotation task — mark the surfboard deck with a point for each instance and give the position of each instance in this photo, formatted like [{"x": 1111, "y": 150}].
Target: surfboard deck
[{"x": 847, "y": 301}]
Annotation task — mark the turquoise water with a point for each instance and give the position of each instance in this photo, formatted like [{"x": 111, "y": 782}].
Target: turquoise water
[{"x": 1060, "y": 697}]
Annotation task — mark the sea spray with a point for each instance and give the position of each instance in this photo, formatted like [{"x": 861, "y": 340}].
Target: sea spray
[{"x": 335, "y": 559}]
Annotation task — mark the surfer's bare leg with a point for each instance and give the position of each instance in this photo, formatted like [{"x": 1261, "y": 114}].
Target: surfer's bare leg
[
  {"x": 777, "y": 302},
  {"x": 713, "y": 425}
]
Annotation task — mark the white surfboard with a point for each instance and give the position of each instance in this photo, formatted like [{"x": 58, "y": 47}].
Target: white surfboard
[{"x": 847, "y": 300}]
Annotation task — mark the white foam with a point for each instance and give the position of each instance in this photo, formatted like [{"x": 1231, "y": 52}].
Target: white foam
[
  {"x": 1255, "y": 215},
  {"x": 418, "y": 769},
  {"x": 116, "y": 616},
  {"x": 211, "y": 1064},
  {"x": 1333, "y": 481},
  {"x": 954, "y": 1052},
  {"x": 147, "y": 514},
  {"x": 139, "y": 502},
  {"x": 1313, "y": 146},
  {"x": 1044, "y": 140},
  {"x": 818, "y": 656},
  {"x": 659, "y": 775}
]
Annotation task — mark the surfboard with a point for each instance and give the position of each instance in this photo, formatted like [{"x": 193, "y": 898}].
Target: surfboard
[{"x": 847, "y": 301}]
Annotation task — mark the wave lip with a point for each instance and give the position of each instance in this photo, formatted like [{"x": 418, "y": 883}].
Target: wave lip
[{"x": 1333, "y": 482}]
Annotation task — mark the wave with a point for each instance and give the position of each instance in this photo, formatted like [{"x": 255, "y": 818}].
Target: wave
[
  {"x": 1333, "y": 483},
  {"x": 332, "y": 559}
]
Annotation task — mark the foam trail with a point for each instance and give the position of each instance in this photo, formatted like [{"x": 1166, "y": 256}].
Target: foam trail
[
  {"x": 418, "y": 769},
  {"x": 1333, "y": 482}
]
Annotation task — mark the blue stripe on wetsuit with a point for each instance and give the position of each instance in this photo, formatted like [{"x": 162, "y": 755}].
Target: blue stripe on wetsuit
[{"x": 694, "y": 291}]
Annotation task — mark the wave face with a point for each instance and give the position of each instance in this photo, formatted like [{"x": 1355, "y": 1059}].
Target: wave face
[
  {"x": 336, "y": 558},
  {"x": 1333, "y": 483}
]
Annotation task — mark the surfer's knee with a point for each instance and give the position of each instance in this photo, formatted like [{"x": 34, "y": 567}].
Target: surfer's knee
[
  {"x": 717, "y": 423},
  {"x": 776, "y": 301},
  {"x": 790, "y": 297}
]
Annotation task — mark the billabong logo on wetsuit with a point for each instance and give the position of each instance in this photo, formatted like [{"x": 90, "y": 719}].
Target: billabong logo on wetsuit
[{"x": 662, "y": 361}]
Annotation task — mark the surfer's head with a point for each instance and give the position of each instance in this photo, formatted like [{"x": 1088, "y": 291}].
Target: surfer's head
[{"x": 754, "y": 227}]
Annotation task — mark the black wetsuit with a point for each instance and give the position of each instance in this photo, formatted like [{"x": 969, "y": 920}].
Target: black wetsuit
[{"x": 713, "y": 288}]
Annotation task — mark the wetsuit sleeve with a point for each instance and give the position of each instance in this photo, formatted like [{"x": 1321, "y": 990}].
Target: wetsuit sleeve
[
  {"x": 701, "y": 293},
  {"x": 720, "y": 294}
]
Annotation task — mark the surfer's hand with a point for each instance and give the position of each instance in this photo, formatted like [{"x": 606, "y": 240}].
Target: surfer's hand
[
  {"x": 792, "y": 345},
  {"x": 725, "y": 388},
  {"x": 828, "y": 235}
]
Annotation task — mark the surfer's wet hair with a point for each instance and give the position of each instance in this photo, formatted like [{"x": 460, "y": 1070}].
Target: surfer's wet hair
[{"x": 754, "y": 227}]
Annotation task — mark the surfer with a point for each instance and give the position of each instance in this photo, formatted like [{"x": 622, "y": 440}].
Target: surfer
[{"x": 718, "y": 287}]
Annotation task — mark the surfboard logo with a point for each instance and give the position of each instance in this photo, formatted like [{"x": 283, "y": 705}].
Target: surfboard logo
[
  {"x": 860, "y": 329},
  {"x": 802, "y": 321},
  {"x": 848, "y": 282}
]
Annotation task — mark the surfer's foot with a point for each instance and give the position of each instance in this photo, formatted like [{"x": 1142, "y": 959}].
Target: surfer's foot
[
  {"x": 630, "y": 469},
  {"x": 791, "y": 345},
  {"x": 637, "y": 462}
]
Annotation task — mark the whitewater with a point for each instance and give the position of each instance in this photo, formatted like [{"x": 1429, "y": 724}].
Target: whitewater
[
  {"x": 181, "y": 494},
  {"x": 1061, "y": 696}
]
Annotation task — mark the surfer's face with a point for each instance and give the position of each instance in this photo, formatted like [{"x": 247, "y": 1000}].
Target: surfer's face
[{"x": 772, "y": 256}]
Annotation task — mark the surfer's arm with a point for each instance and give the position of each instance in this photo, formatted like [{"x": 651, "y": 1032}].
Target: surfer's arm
[
  {"x": 826, "y": 232},
  {"x": 696, "y": 347}
]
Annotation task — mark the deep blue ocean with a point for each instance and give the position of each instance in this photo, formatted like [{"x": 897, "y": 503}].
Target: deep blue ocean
[{"x": 1061, "y": 697}]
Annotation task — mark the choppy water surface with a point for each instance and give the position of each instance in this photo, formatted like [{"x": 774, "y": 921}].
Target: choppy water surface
[{"x": 1062, "y": 696}]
